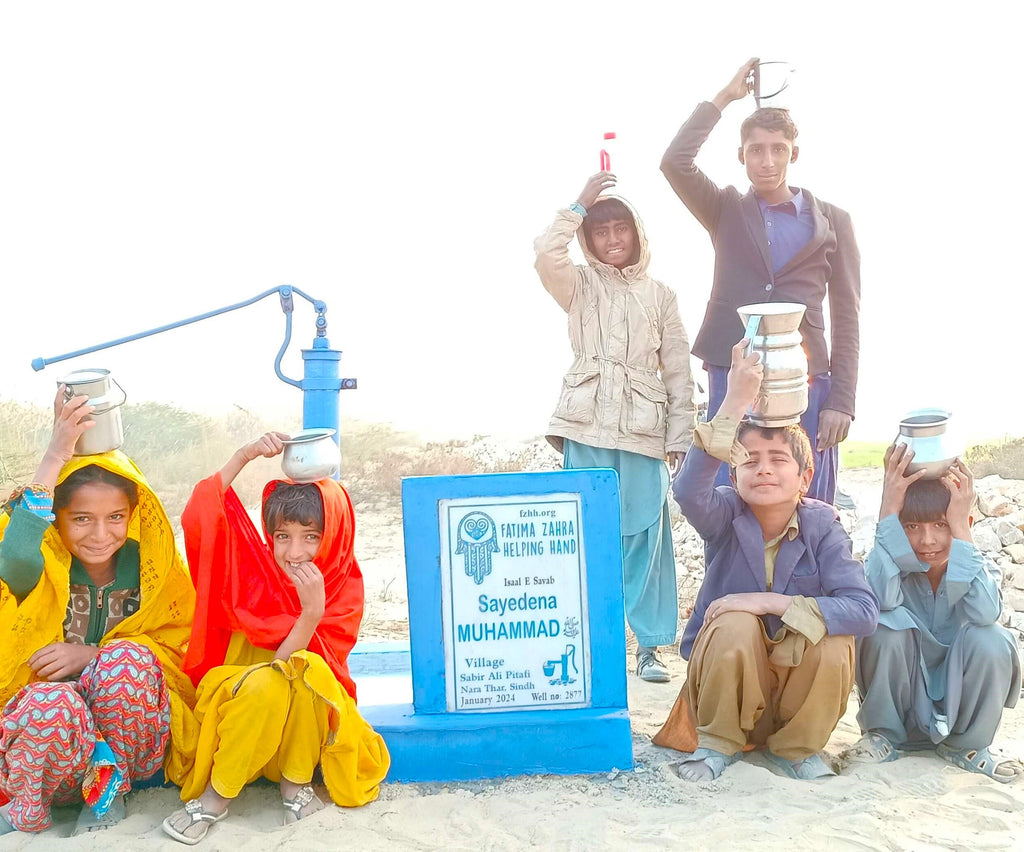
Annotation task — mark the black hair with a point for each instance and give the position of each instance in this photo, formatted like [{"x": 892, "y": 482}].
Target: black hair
[
  {"x": 89, "y": 475},
  {"x": 288, "y": 502},
  {"x": 794, "y": 436},
  {"x": 926, "y": 502},
  {"x": 769, "y": 118},
  {"x": 606, "y": 210}
]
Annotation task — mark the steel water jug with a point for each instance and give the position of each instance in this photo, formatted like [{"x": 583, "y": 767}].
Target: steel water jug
[
  {"x": 927, "y": 432},
  {"x": 108, "y": 433},
  {"x": 773, "y": 329}
]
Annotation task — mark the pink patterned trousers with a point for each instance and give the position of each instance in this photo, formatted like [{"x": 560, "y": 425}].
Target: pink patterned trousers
[{"x": 48, "y": 731}]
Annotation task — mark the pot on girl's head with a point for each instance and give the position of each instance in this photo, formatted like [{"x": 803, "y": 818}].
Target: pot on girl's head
[
  {"x": 108, "y": 433},
  {"x": 310, "y": 455}
]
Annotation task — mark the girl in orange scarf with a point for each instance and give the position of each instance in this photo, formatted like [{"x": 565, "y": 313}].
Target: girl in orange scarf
[
  {"x": 273, "y": 627},
  {"x": 95, "y": 609}
]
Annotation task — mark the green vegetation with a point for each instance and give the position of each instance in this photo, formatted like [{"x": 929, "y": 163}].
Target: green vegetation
[{"x": 862, "y": 453}]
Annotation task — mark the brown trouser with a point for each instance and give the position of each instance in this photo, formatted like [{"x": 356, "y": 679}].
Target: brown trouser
[{"x": 745, "y": 690}]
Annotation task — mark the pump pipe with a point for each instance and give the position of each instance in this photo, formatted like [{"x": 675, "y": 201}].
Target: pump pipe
[{"x": 321, "y": 381}]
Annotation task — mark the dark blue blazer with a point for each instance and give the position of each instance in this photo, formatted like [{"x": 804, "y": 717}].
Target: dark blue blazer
[{"x": 818, "y": 563}]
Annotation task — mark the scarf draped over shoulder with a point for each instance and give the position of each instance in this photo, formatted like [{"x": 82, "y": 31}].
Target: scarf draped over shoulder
[
  {"x": 241, "y": 588},
  {"x": 162, "y": 623}
]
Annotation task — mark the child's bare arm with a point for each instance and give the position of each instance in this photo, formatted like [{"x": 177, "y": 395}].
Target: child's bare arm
[
  {"x": 268, "y": 446},
  {"x": 309, "y": 584}
]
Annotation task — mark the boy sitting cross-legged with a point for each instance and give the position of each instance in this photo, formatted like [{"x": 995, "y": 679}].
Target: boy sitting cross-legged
[{"x": 770, "y": 643}]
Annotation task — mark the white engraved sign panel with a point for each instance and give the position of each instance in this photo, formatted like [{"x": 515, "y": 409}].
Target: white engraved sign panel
[{"x": 514, "y": 600}]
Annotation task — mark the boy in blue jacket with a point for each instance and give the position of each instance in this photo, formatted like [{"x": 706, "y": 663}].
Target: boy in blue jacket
[{"x": 770, "y": 643}]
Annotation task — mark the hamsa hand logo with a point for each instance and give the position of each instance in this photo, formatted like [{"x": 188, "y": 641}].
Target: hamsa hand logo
[{"x": 477, "y": 540}]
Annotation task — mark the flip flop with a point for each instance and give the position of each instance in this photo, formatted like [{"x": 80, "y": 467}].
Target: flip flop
[
  {"x": 984, "y": 761},
  {"x": 873, "y": 747},
  {"x": 197, "y": 815},
  {"x": 808, "y": 769},
  {"x": 88, "y": 821}
]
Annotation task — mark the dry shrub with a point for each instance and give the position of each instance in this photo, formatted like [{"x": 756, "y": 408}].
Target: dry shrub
[
  {"x": 1004, "y": 457},
  {"x": 177, "y": 448}
]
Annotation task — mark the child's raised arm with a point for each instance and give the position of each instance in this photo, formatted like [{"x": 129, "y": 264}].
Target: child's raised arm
[
  {"x": 897, "y": 481},
  {"x": 557, "y": 272},
  {"x": 268, "y": 446}
]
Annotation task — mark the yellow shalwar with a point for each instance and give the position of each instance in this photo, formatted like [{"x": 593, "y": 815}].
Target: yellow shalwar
[{"x": 261, "y": 717}]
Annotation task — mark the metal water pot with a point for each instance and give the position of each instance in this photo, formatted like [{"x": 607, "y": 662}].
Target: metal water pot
[
  {"x": 773, "y": 329},
  {"x": 108, "y": 433},
  {"x": 926, "y": 431},
  {"x": 310, "y": 455}
]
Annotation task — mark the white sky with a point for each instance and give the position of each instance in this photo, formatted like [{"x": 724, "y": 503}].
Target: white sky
[{"x": 397, "y": 160}]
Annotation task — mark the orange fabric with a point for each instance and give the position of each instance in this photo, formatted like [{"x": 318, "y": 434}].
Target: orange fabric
[{"x": 239, "y": 586}]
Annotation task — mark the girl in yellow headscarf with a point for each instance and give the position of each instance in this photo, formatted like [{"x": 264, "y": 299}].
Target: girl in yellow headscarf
[{"x": 95, "y": 612}]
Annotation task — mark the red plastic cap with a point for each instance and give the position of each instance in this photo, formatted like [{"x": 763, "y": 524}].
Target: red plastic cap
[{"x": 609, "y": 136}]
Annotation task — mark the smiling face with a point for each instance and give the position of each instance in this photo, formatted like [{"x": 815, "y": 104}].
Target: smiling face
[
  {"x": 772, "y": 475},
  {"x": 295, "y": 542},
  {"x": 767, "y": 155},
  {"x": 94, "y": 525},
  {"x": 614, "y": 242},
  {"x": 931, "y": 541}
]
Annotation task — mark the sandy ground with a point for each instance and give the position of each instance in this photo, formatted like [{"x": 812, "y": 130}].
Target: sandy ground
[{"x": 918, "y": 803}]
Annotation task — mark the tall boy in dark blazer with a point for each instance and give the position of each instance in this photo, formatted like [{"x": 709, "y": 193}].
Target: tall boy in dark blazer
[{"x": 776, "y": 243}]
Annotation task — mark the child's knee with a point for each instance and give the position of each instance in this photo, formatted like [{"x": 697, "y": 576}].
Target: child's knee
[
  {"x": 262, "y": 683},
  {"x": 736, "y": 626},
  {"x": 987, "y": 644},
  {"x": 47, "y": 701},
  {"x": 122, "y": 662},
  {"x": 834, "y": 653},
  {"x": 886, "y": 643}
]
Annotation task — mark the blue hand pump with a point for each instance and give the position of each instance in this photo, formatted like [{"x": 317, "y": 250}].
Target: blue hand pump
[{"x": 321, "y": 381}]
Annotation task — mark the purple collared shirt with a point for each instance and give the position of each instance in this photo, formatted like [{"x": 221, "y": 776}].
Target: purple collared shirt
[{"x": 787, "y": 227}]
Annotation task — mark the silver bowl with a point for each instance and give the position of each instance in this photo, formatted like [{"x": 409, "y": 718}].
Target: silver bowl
[{"x": 310, "y": 455}]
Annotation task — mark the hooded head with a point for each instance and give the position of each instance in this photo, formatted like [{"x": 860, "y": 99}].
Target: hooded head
[{"x": 613, "y": 236}]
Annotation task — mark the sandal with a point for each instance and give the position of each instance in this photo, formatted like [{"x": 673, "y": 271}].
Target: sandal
[
  {"x": 304, "y": 803},
  {"x": 88, "y": 821},
  {"x": 197, "y": 816},
  {"x": 873, "y": 747},
  {"x": 985, "y": 761},
  {"x": 716, "y": 761},
  {"x": 807, "y": 769}
]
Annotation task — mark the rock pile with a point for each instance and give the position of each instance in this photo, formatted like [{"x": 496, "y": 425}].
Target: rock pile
[{"x": 999, "y": 534}]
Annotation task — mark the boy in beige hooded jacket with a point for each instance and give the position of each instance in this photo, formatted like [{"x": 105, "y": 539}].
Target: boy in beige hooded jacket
[{"x": 627, "y": 399}]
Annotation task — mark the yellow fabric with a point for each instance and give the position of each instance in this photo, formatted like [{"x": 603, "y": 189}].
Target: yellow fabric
[
  {"x": 162, "y": 624},
  {"x": 281, "y": 718}
]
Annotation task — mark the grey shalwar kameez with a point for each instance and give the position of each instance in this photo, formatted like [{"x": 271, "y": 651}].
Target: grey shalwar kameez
[{"x": 939, "y": 668}]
